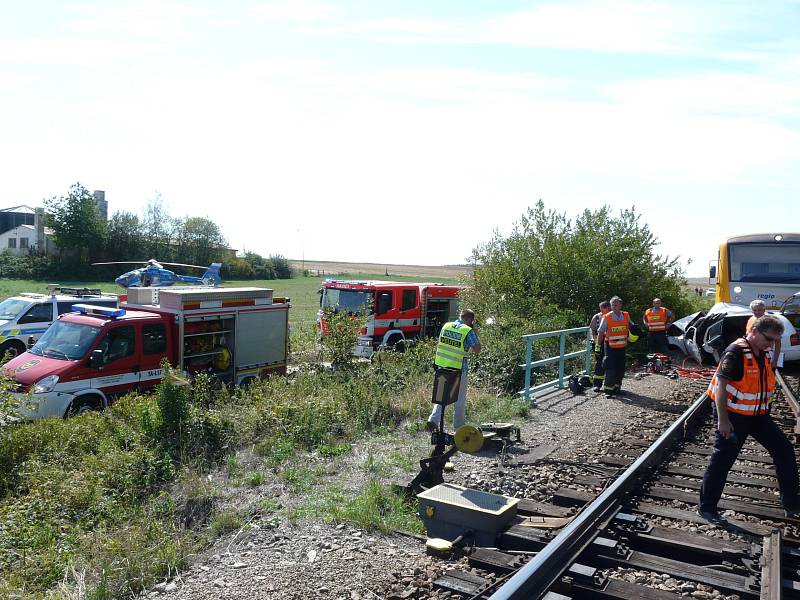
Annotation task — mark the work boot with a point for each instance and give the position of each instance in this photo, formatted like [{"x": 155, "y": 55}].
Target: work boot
[
  {"x": 713, "y": 517},
  {"x": 431, "y": 426}
]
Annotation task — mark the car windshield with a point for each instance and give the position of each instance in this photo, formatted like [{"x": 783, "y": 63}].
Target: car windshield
[
  {"x": 66, "y": 341},
  {"x": 12, "y": 308},
  {"x": 765, "y": 263},
  {"x": 352, "y": 301}
]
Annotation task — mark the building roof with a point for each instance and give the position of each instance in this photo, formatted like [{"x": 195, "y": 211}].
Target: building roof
[
  {"x": 22, "y": 208},
  {"x": 47, "y": 230}
]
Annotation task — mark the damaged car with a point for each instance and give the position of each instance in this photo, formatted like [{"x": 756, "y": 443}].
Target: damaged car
[{"x": 704, "y": 336}]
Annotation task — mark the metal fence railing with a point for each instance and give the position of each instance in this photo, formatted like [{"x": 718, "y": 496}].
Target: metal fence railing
[{"x": 560, "y": 359}]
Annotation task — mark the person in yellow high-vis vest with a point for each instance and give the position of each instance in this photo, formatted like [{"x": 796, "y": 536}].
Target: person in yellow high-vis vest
[
  {"x": 742, "y": 390},
  {"x": 657, "y": 320},
  {"x": 456, "y": 340}
]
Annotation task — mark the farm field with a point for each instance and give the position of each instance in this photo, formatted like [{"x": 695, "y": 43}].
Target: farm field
[{"x": 434, "y": 273}]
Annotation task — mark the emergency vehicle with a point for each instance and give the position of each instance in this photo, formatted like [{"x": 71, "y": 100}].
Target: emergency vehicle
[
  {"x": 27, "y": 316},
  {"x": 396, "y": 311},
  {"x": 90, "y": 356}
]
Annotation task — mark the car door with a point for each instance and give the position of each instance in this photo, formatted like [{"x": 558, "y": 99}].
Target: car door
[
  {"x": 36, "y": 320},
  {"x": 154, "y": 350},
  {"x": 118, "y": 369}
]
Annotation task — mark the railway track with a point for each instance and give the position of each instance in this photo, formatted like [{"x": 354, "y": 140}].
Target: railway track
[{"x": 637, "y": 535}]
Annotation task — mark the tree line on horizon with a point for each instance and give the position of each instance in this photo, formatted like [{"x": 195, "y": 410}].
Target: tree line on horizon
[{"x": 83, "y": 236}]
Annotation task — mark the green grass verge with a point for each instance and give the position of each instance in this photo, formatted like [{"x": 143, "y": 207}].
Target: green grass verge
[{"x": 122, "y": 499}]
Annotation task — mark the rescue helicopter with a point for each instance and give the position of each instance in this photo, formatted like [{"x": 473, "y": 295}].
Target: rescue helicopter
[{"x": 153, "y": 274}]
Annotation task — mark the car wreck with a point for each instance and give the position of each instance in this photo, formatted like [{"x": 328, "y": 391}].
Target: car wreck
[{"x": 703, "y": 336}]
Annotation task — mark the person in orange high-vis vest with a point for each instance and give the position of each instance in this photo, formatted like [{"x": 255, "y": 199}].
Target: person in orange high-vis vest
[
  {"x": 742, "y": 389},
  {"x": 613, "y": 336},
  {"x": 657, "y": 320},
  {"x": 759, "y": 308}
]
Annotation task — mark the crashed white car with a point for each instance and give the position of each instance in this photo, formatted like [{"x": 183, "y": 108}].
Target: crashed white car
[{"x": 704, "y": 336}]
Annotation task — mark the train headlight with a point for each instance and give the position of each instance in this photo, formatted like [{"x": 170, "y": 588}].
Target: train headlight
[{"x": 737, "y": 289}]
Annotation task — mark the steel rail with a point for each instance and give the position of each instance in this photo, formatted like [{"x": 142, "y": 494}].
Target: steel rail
[
  {"x": 535, "y": 578},
  {"x": 791, "y": 399}
]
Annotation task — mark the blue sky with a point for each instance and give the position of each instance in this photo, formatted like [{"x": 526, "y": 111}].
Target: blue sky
[{"x": 369, "y": 131}]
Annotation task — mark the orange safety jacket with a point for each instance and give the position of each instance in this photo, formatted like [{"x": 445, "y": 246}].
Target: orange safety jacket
[
  {"x": 752, "y": 394},
  {"x": 656, "y": 319},
  {"x": 617, "y": 329}
]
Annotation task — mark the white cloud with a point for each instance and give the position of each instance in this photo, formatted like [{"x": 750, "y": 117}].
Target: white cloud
[
  {"x": 294, "y": 10},
  {"x": 144, "y": 18},
  {"x": 72, "y": 51},
  {"x": 611, "y": 26},
  {"x": 713, "y": 93}
]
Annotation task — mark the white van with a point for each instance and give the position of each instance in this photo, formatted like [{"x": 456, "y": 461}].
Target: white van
[{"x": 29, "y": 315}]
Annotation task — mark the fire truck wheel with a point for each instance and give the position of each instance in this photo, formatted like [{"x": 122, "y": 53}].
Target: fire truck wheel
[
  {"x": 83, "y": 405},
  {"x": 396, "y": 343},
  {"x": 11, "y": 348}
]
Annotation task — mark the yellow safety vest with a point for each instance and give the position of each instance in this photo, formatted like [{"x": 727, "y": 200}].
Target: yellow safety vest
[{"x": 450, "y": 351}]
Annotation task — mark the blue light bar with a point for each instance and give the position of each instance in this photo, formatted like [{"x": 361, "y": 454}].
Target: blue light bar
[{"x": 103, "y": 311}]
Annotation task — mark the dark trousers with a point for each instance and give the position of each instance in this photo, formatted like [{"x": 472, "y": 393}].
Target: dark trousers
[
  {"x": 657, "y": 341},
  {"x": 614, "y": 365},
  {"x": 599, "y": 372},
  {"x": 765, "y": 432}
]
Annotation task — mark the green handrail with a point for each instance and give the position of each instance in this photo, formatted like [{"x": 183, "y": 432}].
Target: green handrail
[{"x": 560, "y": 359}]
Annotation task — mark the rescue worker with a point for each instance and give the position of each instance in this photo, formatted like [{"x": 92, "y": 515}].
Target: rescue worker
[
  {"x": 597, "y": 349},
  {"x": 742, "y": 390},
  {"x": 613, "y": 338},
  {"x": 657, "y": 320},
  {"x": 456, "y": 339},
  {"x": 759, "y": 309}
]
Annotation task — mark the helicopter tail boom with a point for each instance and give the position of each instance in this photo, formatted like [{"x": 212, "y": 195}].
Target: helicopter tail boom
[{"x": 212, "y": 276}]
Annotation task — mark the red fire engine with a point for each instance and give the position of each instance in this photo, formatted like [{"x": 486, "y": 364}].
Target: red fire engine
[{"x": 396, "y": 311}]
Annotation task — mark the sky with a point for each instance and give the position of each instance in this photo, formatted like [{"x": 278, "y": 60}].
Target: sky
[{"x": 408, "y": 132}]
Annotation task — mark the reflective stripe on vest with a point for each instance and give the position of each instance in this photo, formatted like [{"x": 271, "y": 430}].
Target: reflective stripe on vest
[
  {"x": 617, "y": 330},
  {"x": 450, "y": 351},
  {"x": 656, "y": 320},
  {"x": 747, "y": 396}
]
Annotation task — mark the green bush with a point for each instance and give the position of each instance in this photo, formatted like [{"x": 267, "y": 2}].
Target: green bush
[{"x": 341, "y": 335}]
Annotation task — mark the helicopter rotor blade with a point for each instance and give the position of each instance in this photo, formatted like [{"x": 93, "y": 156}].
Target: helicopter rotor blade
[
  {"x": 122, "y": 262},
  {"x": 183, "y": 265}
]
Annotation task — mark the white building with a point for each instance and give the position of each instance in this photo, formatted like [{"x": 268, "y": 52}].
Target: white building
[{"x": 22, "y": 239}]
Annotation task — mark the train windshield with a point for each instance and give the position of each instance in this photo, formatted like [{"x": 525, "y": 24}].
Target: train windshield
[
  {"x": 353, "y": 301},
  {"x": 765, "y": 263}
]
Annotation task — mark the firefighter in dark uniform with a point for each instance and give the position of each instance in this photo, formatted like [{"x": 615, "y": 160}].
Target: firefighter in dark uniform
[
  {"x": 594, "y": 325},
  {"x": 613, "y": 335},
  {"x": 742, "y": 389}
]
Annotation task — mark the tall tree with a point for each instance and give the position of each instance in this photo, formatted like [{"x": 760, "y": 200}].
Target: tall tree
[
  {"x": 571, "y": 265},
  {"x": 79, "y": 228},
  {"x": 200, "y": 240},
  {"x": 158, "y": 231},
  {"x": 124, "y": 241}
]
